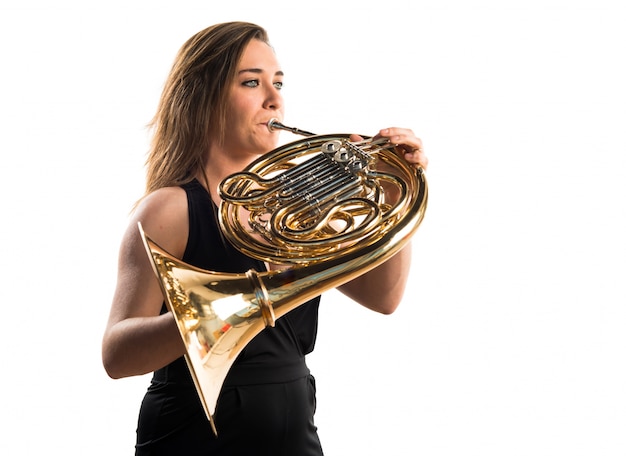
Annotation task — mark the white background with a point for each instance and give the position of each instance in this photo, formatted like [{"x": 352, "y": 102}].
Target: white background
[{"x": 511, "y": 339}]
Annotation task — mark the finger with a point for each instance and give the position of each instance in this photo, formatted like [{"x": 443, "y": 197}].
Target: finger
[
  {"x": 417, "y": 157},
  {"x": 355, "y": 138}
]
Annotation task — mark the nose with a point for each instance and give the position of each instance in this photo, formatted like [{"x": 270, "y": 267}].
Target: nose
[{"x": 273, "y": 98}]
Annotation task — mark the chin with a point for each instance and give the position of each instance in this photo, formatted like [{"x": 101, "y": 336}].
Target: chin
[{"x": 270, "y": 145}]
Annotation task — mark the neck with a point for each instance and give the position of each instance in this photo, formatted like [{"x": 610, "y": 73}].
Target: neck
[{"x": 217, "y": 167}]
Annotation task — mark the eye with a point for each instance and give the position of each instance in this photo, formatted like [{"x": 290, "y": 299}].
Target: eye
[
  {"x": 278, "y": 85},
  {"x": 251, "y": 83}
]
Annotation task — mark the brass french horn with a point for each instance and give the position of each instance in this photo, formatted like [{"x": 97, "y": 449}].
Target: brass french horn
[{"x": 329, "y": 208}]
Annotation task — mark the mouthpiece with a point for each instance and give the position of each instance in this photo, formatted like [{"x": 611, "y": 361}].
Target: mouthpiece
[{"x": 273, "y": 124}]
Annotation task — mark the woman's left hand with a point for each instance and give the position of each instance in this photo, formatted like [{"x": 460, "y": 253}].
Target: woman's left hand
[{"x": 409, "y": 144}]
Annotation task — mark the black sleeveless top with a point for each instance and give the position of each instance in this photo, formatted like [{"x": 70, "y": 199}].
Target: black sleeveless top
[
  {"x": 276, "y": 354},
  {"x": 267, "y": 402}
]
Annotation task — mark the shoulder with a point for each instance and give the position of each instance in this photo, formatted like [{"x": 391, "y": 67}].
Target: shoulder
[
  {"x": 163, "y": 214},
  {"x": 163, "y": 201}
]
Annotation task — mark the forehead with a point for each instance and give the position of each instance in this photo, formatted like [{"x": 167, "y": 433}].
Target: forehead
[{"x": 258, "y": 55}]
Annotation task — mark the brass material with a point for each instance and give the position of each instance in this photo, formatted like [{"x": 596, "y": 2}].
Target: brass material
[{"x": 329, "y": 208}]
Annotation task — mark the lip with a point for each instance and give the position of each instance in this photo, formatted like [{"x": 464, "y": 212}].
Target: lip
[{"x": 267, "y": 122}]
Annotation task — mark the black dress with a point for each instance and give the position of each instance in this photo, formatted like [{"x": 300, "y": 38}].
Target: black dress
[{"x": 267, "y": 403}]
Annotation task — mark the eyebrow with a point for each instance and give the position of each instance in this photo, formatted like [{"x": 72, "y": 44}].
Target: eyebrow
[{"x": 259, "y": 71}]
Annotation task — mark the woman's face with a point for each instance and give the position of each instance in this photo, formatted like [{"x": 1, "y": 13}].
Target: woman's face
[{"x": 253, "y": 100}]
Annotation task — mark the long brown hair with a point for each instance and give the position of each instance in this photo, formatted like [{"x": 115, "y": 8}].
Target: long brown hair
[{"x": 191, "y": 111}]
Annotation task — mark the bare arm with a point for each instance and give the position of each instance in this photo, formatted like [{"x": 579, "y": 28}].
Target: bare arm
[
  {"x": 382, "y": 288},
  {"x": 138, "y": 340}
]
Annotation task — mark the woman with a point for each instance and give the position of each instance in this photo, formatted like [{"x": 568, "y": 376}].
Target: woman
[{"x": 211, "y": 122}]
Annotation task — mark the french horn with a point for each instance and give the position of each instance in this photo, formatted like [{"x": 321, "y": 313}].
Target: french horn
[{"x": 325, "y": 208}]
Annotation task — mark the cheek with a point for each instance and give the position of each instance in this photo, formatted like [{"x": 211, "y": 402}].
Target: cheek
[
  {"x": 236, "y": 106},
  {"x": 233, "y": 113}
]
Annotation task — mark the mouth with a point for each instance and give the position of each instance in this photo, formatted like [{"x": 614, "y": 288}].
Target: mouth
[{"x": 273, "y": 124}]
